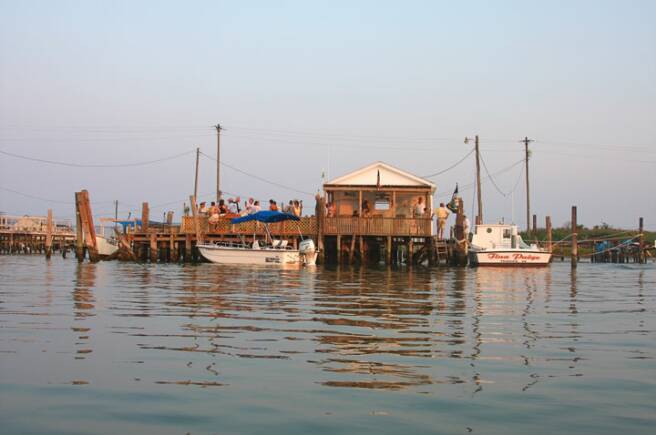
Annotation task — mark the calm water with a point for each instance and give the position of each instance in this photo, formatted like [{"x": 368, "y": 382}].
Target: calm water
[{"x": 126, "y": 348}]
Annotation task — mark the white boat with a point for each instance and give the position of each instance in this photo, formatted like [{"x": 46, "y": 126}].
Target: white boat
[
  {"x": 501, "y": 245},
  {"x": 275, "y": 253},
  {"x": 106, "y": 247}
]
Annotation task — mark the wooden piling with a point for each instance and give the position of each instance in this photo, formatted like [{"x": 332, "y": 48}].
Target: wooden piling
[
  {"x": 145, "y": 217},
  {"x": 575, "y": 247},
  {"x": 320, "y": 212},
  {"x": 49, "y": 235},
  {"x": 388, "y": 251},
  {"x": 194, "y": 213},
  {"x": 79, "y": 235},
  {"x": 173, "y": 248},
  {"x": 339, "y": 249},
  {"x": 549, "y": 233},
  {"x": 641, "y": 241},
  {"x": 411, "y": 249},
  {"x": 89, "y": 231},
  {"x": 187, "y": 256},
  {"x": 153, "y": 248},
  {"x": 352, "y": 250},
  {"x": 363, "y": 255}
]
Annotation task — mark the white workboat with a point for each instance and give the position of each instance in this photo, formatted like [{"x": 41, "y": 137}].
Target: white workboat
[
  {"x": 501, "y": 245},
  {"x": 106, "y": 248},
  {"x": 275, "y": 253}
]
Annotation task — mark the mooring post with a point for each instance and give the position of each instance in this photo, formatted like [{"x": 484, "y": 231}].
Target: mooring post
[
  {"x": 549, "y": 235},
  {"x": 641, "y": 241},
  {"x": 49, "y": 235},
  {"x": 187, "y": 256},
  {"x": 575, "y": 246},
  {"x": 145, "y": 217},
  {"x": 363, "y": 258},
  {"x": 79, "y": 235},
  {"x": 352, "y": 250},
  {"x": 319, "y": 213},
  {"x": 173, "y": 249},
  {"x": 339, "y": 249},
  {"x": 196, "y": 217},
  {"x": 153, "y": 247},
  {"x": 411, "y": 249}
]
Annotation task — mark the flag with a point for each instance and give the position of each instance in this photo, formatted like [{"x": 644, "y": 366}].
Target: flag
[{"x": 453, "y": 204}]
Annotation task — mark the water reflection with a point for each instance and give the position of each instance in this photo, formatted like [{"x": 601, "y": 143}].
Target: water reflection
[
  {"x": 83, "y": 307},
  {"x": 368, "y": 329}
]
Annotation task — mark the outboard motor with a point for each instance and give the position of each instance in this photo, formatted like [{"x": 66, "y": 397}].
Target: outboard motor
[{"x": 308, "y": 252}]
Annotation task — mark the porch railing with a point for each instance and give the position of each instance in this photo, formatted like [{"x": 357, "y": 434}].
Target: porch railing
[
  {"x": 377, "y": 226},
  {"x": 365, "y": 226}
]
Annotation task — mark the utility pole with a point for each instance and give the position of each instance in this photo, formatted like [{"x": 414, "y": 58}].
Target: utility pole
[
  {"x": 196, "y": 178},
  {"x": 528, "y": 196},
  {"x": 218, "y": 162},
  {"x": 116, "y": 214},
  {"x": 479, "y": 216}
]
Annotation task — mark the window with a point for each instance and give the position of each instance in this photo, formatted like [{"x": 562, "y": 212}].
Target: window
[
  {"x": 382, "y": 204},
  {"x": 506, "y": 233}
]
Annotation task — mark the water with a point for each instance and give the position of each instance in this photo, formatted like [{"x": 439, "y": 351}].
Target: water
[{"x": 128, "y": 348}]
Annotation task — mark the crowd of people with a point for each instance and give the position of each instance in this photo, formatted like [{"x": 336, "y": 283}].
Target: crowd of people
[{"x": 233, "y": 208}]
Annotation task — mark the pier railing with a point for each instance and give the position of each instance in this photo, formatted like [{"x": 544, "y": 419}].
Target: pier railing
[
  {"x": 307, "y": 225},
  {"x": 365, "y": 226},
  {"x": 377, "y": 226}
]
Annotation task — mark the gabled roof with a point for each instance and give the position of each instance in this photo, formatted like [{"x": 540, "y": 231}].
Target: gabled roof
[{"x": 389, "y": 176}]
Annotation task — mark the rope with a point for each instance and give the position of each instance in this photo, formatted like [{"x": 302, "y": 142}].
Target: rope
[{"x": 628, "y": 242}]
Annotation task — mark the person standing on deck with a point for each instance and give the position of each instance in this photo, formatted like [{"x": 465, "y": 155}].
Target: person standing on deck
[
  {"x": 442, "y": 214},
  {"x": 465, "y": 227},
  {"x": 272, "y": 205},
  {"x": 419, "y": 208}
]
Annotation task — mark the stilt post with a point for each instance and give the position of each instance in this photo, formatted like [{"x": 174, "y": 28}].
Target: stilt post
[
  {"x": 549, "y": 233},
  {"x": 49, "y": 235},
  {"x": 575, "y": 246}
]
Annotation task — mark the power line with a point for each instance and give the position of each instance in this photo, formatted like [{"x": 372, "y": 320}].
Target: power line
[
  {"x": 27, "y": 195},
  {"x": 102, "y": 165},
  {"x": 452, "y": 166},
  {"x": 257, "y": 177},
  {"x": 494, "y": 183},
  {"x": 473, "y": 183}
]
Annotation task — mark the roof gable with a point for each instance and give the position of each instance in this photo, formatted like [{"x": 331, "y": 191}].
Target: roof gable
[{"x": 389, "y": 176}]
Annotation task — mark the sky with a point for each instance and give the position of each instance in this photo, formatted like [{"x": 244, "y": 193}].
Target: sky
[{"x": 310, "y": 89}]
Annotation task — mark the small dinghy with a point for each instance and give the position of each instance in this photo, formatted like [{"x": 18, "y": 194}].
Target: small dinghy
[{"x": 277, "y": 252}]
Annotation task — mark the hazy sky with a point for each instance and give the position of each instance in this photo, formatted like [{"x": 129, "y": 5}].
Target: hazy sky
[{"x": 309, "y": 87}]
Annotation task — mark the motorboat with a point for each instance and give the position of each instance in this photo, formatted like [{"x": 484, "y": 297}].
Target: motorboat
[
  {"x": 106, "y": 247},
  {"x": 275, "y": 252},
  {"x": 501, "y": 245}
]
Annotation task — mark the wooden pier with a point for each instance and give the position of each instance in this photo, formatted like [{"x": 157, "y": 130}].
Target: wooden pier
[{"x": 35, "y": 235}]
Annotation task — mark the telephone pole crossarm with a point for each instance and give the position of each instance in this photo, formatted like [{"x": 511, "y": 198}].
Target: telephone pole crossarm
[{"x": 218, "y": 161}]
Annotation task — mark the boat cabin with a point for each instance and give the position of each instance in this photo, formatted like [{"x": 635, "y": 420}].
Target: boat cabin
[{"x": 498, "y": 236}]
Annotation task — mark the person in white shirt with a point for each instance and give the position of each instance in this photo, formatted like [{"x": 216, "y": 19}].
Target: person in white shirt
[{"x": 419, "y": 208}]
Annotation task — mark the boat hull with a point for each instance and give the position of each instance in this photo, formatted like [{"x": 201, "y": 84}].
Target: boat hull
[
  {"x": 522, "y": 257},
  {"x": 233, "y": 255},
  {"x": 105, "y": 247}
]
